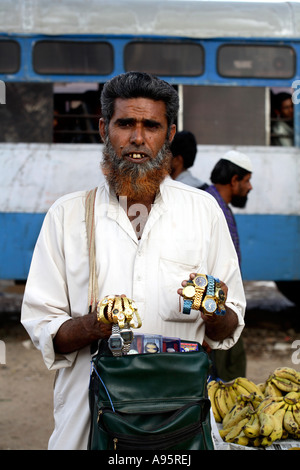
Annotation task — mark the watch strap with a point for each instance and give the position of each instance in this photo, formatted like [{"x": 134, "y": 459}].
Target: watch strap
[
  {"x": 210, "y": 285},
  {"x": 187, "y": 305}
]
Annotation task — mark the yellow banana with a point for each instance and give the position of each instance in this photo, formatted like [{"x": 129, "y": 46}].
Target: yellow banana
[
  {"x": 289, "y": 422},
  {"x": 236, "y": 409},
  {"x": 249, "y": 385},
  {"x": 272, "y": 407},
  {"x": 240, "y": 391},
  {"x": 288, "y": 373},
  {"x": 292, "y": 398},
  {"x": 296, "y": 413},
  {"x": 271, "y": 390},
  {"x": 220, "y": 402},
  {"x": 212, "y": 387},
  {"x": 266, "y": 401},
  {"x": 265, "y": 441},
  {"x": 257, "y": 441},
  {"x": 228, "y": 399},
  {"x": 232, "y": 393},
  {"x": 237, "y": 417},
  {"x": 252, "y": 428},
  {"x": 241, "y": 439},
  {"x": 224, "y": 432},
  {"x": 262, "y": 387},
  {"x": 285, "y": 385},
  {"x": 278, "y": 428},
  {"x": 235, "y": 430},
  {"x": 267, "y": 423}
]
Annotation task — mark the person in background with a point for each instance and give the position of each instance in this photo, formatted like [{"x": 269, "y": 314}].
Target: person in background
[
  {"x": 283, "y": 127},
  {"x": 231, "y": 186},
  {"x": 184, "y": 150}
]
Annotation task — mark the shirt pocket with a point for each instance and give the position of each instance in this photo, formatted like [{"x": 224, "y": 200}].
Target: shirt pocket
[{"x": 171, "y": 274}]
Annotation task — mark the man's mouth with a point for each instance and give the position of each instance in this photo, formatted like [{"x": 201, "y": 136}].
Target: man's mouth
[{"x": 136, "y": 156}]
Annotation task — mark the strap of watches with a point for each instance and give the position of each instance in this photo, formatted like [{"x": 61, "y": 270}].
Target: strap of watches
[{"x": 210, "y": 285}]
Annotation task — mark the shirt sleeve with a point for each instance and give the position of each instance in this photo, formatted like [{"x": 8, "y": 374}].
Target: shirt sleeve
[{"x": 45, "y": 304}]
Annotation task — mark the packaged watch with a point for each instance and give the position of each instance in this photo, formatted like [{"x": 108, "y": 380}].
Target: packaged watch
[
  {"x": 136, "y": 346},
  {"x": 171, "y": 345},
  {"x": 187, "y": 346},
  {"x": 152, "y": 343}
]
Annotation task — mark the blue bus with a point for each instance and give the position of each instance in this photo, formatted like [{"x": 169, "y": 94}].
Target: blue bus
[{"x": 229, "y": 61}]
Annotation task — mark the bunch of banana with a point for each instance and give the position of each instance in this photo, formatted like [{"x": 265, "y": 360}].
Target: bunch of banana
[
  {"x": 285, "y": 379},
  {"x": 224, "y": 395},
  {"x": 273, "y": 419}
]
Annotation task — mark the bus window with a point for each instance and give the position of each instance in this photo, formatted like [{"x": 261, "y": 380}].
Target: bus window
[
  {"x": 220, "y": 115},
  {"x": 76, "y": 113},
  {"x": 10, "y": 57},
  {"x": 28, "y": 113},
  {"x": 73, "y": 58},
  {"x": 282, "y": 117},
  {"x": 165, "y": 58},
  {"x": 256, "y": 61}
]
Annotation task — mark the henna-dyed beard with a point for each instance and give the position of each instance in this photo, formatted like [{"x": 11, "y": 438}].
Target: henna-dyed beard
[{"x": 135, "y": 180}]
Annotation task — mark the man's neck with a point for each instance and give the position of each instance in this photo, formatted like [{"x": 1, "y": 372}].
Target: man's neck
[{"x": 224, "y": 191}]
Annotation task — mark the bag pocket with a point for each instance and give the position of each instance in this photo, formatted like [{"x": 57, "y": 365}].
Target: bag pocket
[{"x": 183, "y": 429}]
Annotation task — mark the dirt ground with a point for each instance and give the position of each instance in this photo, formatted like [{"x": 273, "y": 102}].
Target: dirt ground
[{"x": 26, "y": 386}]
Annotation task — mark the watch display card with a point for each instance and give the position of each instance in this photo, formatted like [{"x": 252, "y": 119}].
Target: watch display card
[
  {"x": 152, "y": 344},
  {"x": 171, "y": 345}
]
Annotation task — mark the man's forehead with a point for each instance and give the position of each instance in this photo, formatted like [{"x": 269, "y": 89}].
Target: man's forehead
[{"x": 139, "y": 107}]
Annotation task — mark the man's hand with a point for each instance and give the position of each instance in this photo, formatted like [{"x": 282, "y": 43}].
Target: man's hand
[
  {"x": 217, "y": 327},
  {"x": 77, "y": 333}
]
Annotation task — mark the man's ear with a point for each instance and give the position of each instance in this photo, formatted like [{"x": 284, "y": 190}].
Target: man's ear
[
  {"x": 172, "y": 132},
  {"x": 102, "y": 129},
  {"x": 234, "y": 181}
]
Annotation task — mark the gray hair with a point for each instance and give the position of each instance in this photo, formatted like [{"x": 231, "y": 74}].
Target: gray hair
[{"x": 138, "y": 85}]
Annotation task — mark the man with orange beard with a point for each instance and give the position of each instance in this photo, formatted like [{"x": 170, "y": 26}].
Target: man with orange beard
[{"x": 152, "y": 234}]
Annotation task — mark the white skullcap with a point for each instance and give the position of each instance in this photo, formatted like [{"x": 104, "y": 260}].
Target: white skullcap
[{"x": 239, "y": 159}]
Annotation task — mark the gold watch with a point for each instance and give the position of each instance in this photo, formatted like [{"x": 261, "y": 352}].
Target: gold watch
[{"x": 200, "y": 283}]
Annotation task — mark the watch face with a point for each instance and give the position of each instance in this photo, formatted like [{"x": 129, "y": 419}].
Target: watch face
[
  {"x": 127, "y": 336},
  {"x": 221, "y": 295},
  {"x": 115, "y": 343},
  {"x": 189, "y": 291},
  {"x": 200, "y": 281},
  {"x": 210, "y": 305}
]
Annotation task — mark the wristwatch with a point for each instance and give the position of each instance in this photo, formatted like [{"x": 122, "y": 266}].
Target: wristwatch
[
  {"x": 127, "y": 336},
  {"x": 209, "y": 303},
  {"x": 115, "y": 341},
  {"x": 110, "y": 302},
  {"x": 188, "y": 293},
  {"x": 200, "y": 283},
  {"x": 117, "y": 309},
  {"x": 221, "y": 298},
  {"x": 101, "y": 306},
  {"x": 128, "y": 309}
]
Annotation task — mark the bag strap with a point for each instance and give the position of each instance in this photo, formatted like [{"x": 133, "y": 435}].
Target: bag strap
[{"x": 90, "y": 229}]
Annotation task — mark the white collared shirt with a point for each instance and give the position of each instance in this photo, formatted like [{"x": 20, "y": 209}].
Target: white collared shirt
[{"x": 185, "y": 232}]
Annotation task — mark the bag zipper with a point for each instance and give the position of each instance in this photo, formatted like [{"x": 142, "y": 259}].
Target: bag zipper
[{"x": 158, "y": 441}]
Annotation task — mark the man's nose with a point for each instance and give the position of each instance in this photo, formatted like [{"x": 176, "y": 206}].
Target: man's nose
[{"x": 137, "y": 135}]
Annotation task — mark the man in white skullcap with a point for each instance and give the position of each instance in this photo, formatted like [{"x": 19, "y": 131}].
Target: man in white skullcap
[{"x": 231, "y": 185}]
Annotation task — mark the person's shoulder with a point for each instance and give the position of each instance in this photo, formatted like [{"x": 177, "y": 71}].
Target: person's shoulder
[
  {"x": 68, "y": 198},
  {"x": 181, "y": 189},
  {"x": 73, "y": 198}
]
